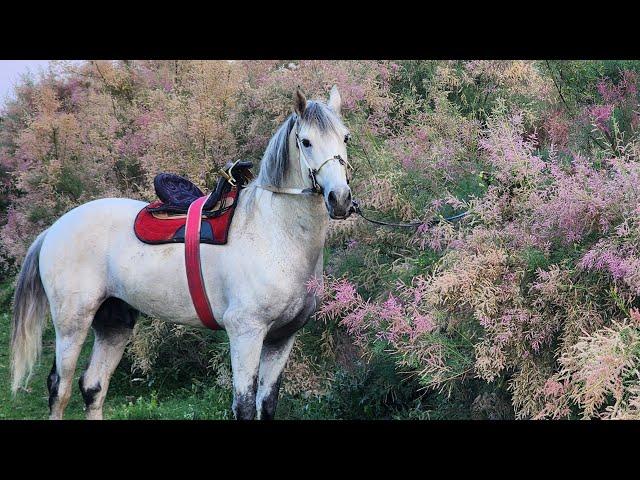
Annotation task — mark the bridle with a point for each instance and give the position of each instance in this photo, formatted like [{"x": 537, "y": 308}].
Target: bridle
[
  {"x": 316, "y": 188},
  {"x": 313, "y": 172}
]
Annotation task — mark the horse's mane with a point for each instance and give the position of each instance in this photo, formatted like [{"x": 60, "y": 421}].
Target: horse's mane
[{"x": 275, "y": 160}]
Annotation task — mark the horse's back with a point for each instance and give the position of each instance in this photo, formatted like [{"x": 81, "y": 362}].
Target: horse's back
[
  {"x": 103, "y": 207},
  {"x": 81, "y": 239},
  {"x": 89, "y": 223}
]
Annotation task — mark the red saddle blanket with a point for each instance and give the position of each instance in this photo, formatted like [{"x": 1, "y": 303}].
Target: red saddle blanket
[{"x": 158, "y": 228}]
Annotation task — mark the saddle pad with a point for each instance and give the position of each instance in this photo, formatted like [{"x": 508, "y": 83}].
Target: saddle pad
[{"x": 159, "y": 229}]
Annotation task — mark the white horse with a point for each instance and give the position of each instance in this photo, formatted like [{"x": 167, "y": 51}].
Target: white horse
[{"x": 93, "y": 271}]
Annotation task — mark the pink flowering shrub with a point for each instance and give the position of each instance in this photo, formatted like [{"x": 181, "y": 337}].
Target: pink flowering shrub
[
  {"x": 612, "y": 119},
  {"x": 534, "y": 288}
]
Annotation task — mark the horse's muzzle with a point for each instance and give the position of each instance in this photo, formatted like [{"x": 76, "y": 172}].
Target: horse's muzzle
[{"x": 339, "y": 203}]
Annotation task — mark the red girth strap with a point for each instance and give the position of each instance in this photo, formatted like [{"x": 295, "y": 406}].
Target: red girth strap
[{"x": 192, "y": 262}]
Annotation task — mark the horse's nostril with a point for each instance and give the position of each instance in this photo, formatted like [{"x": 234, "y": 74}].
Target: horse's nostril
[{"x": 332, "y": 198}]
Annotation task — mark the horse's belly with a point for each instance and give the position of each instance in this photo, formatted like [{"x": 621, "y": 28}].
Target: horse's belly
[{"x": 152, "y": 279}]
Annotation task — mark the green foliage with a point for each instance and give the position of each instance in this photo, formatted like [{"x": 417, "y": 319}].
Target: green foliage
[
  {"x": 577, "y": 79},
  {"x": 373, "y": 390},
  {"x": 71, "y": 183},
  {"x": 6, "y": 294}
]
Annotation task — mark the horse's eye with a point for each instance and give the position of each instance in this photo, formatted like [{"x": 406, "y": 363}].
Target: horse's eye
[
  {"x": 306, "y": 142},
  {"x": 347, "y": 137}
]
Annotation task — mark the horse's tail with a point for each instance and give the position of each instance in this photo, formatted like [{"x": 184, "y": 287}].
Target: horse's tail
[{"x": 29, "y": 314}]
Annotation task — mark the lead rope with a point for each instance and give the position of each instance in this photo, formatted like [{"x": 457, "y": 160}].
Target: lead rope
[{"x": 355, "y": 207}]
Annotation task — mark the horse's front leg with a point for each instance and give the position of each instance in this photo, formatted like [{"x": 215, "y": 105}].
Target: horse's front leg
[
  {"x": 272, "y": 362},
  {"x": 246, "y": 336}
]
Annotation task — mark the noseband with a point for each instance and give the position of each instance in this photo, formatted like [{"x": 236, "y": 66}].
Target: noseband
[{"x": 316, "y": 188}]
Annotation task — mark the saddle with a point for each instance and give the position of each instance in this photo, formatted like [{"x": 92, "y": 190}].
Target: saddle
[
  {"x": 163, "y": 221},
  {"x": 177, "y": 193},
  {"x": 183, "y": 214}
]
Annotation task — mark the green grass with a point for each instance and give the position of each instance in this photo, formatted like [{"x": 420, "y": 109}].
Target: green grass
[{"x": 197, "y": 404}]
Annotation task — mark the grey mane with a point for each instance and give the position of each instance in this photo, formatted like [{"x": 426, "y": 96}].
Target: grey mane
[
  {"x": 275, "y": 160},
  {"x": 276, "y": 156}
]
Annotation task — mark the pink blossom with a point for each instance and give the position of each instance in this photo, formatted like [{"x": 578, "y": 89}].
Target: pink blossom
[
  {"x": 423, "y": 324},
  {"x": 391, "y": 308},
  {"x": 553, "y": 388},
  {"x": 601, "y": 115},
  {"x": 352, "y": 243},
  {"x": 345, "y": 292},
  {"x": 315, "y": 285}
]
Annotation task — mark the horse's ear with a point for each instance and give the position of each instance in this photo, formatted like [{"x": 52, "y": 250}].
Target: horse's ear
[
  {"x": 300, "y": 102},
  {"x": 335, "y": 102}
]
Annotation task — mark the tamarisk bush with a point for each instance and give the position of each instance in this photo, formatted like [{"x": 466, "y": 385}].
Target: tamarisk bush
[{"x": 536, "y": 287}]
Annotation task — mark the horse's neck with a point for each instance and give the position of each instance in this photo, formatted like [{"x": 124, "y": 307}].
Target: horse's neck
[{"x": 304, "y": 218}]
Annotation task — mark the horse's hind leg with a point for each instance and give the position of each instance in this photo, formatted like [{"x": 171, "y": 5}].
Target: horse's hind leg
[
  {"x": 72, "y": 326},
  {"x": 112, "y": 328}
]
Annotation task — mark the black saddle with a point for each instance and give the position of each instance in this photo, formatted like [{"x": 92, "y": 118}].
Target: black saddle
[{"x": 176, "y": 193}]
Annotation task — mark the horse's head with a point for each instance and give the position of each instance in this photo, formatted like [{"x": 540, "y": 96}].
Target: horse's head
[{"x": 321, "y": 140}]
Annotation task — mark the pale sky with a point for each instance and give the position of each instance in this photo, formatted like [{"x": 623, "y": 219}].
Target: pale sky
[{"x": 10, "y": 71}]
